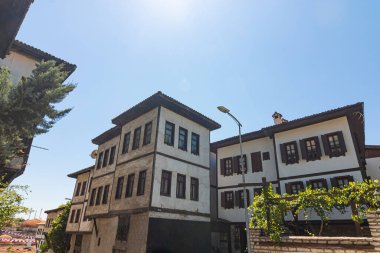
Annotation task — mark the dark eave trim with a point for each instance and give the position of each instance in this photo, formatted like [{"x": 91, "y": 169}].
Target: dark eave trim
[
  {"x": 82, "y": 171},
  {"x": 107, "y": 135},
  {"x": 160, "y": 99}
]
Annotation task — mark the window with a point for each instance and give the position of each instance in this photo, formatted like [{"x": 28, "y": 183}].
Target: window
[
  {"x": 194, "y": 189},
  {"x": 181, "y": 186},
  {"x": 77, "y": 216},
  {"x": 182, "y": 139},
  {"x": 239, "y": 198},
  {"x": 310, "y": 149},
  {"x": 126, "y": 140},
  {"x": 105, "y": 194},
  {"x": 294, "y": 187},
  {"x": 289, "y": 152},
  {"x": 166, "y": 180},
  {"x": 147, "y": 133},
  {"x": 72, "y": 216},
  {"x": 78, "y": 189},
  {"x": 266, "y": 156},
  {"x": 99, "y": 195},
  {"x": 340, "y": 182},
  {"x": 334, "y": 144},
  {"x": 122, "y": 228},
  {"x": 227, "y": 199},
  {"x": 83, "y": 190},
  {"x": 169, "y": 133},
  {"x": 119, "y": 187},
  {"x": 257, "y": 164},
  {"x": 317, "y": 184},
  {"x": 136, "y": 138},
  {"x": 105, "y": 161},
  {"x": 92, "y": 199},
  {"x": 141, "y": 183},
  {"x": 100, "y": 160},
  {"x": 227, "y": 163},
  {"x": 194, "y": 143},
  {"x": 129, "y": 190},
  {"x": 112, "y": 155}
]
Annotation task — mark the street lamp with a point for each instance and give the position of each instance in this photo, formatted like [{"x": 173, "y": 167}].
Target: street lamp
[{"x": 241, "y": 162}]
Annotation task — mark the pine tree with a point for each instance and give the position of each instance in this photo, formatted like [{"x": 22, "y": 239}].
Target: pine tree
[{"x": 28, "y": 107}]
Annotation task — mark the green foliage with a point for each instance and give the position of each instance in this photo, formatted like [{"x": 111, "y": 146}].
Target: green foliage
[
  {"x": 11, "y": 199},
  {"x": 44, "y": 247},
  {"x": 59, "y": 241},
  {"x": 271, "y": 207},
  {"x": 28, "y": 107}
]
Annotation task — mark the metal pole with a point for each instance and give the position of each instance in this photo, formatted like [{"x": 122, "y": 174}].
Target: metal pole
[{"x": 244, "y": 189}]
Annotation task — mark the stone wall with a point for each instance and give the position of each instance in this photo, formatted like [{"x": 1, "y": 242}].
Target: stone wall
[{"x": 262, "y": 244}]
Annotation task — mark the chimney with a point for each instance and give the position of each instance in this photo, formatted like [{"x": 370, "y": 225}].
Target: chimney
[{"x": 277, "y": 118}]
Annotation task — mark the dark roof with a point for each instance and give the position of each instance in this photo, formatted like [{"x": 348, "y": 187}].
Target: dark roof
[
  {"x": 107, "y": 135},
  {"x": 77, "y": 173},
  {"x": 54, "y": 210},
  {"x": 41, "y": 55},
  {"x": 308, "y": 120},
  {"x": 12, "y": 13},
  {"x": 160, "y": 99}
]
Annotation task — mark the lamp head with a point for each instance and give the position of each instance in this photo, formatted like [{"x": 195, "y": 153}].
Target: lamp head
[{"x": 223, "y": 109}]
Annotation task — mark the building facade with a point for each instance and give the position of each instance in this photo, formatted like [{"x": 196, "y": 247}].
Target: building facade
[
  {"x": 323, "y": 150},
  {"x": 149, "y": 190}
]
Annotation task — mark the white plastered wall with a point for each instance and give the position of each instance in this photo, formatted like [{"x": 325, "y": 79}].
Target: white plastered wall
[{"x": 373, "y": 167}]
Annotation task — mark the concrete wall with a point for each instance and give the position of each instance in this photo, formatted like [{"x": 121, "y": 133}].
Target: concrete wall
[
  {"x": 138, "y": 233},
  {"x": 104, "y": 241},
  {"x": 133, "y": 167},
  {"x": 326, "y": 164},
  {"x": 172, "y": 202}
]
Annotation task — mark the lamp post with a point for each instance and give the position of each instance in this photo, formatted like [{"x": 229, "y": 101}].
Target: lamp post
[{"x": 241, "y": 162}]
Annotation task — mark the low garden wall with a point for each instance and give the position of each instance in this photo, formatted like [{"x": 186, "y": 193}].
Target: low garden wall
[{"x": 262, "y": 244}]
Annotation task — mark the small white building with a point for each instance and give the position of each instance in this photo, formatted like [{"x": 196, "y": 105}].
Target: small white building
[{"x": 321, "y": 150}]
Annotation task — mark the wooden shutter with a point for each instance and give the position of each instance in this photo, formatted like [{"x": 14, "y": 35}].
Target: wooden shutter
[
  {"x": 334, "y": 182},
  {"x": 309, "y": 183},
  {"x": 232, "y": 201},
  {"x": 257, "y": 164},
  {"x": 222, "y": 200},
  {"x": 288, "y": 188},
  {"x": 326, "y": 145},
  {"x": 237, "y": 198},
  {"x": 350, "y": 178},
  {"x": 341, "y": 142},
  {"x": 235, "y": 164},
  {"x": 324, "y": 182},
  {"x": 318, "y": 146},
  {"x": 222, "y": 167},
  {"x": 302, "y": 185},
  {"x": 303, "y": 150},
  {"x": 296, "y": 150},
  {"x": 283, "y": 153},
  {"x": 245, "y": 168},
  {"x": 248, "y": 199}
]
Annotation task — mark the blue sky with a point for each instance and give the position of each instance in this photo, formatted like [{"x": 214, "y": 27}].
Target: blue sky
[{"x": 297, "y": 57}]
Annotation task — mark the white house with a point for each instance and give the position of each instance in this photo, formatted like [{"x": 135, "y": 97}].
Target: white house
[{"x": 321, "y": 150}]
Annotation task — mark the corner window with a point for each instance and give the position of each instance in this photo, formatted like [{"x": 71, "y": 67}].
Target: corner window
[
  {"x": 136, "y": 138},
  {"x": 169, "y": 133},
  {"x": 92, "y": 198},
  {"x": 194, "y": 143},
  {"x": 99, "y": 195},
  {"x": 289, "y": 152},
  {"x": 78, "y": 189},
  {"x": 126, "y": 140},
  {"x": 77, "y": 216},
  {"x": 83, "y": 190},
  {"x": 105, "y": 194},
  {"x": 100, "y": 160},
  {"x": 141, "y": 183},
  {"x": 72, "y": 216},
  {"x": 147, "y": 133},
  {"x": 194, "y": 189},
  {"x": 119, "y": 187},
  {"x": 182, "y": 139},
  {"x": 181, "y": 186},
  {"x": 166, "y": 180},
  {"x": 105, "y": 161},
  {"x": 129, "y": 190},
  {"x": 112, "y": 155},
  {"x": 334, "y": 144}
]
